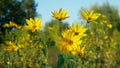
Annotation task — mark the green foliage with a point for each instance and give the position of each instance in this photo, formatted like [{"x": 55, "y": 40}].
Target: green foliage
[
  {"x": 61, "y": 61},
  {"x": 37, "y": 49},
  {"x": 32, "y": 50},
  {"x": 52, "y": 31}
]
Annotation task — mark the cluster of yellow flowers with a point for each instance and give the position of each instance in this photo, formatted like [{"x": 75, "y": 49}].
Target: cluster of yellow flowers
[
  {"x": 88, "y": 16},
  {"x": 32, "y": 24},
  {"x": 91, "y": 17},
  {"x": 10, "y": 46},
  {"x": 71, "y": 40}
]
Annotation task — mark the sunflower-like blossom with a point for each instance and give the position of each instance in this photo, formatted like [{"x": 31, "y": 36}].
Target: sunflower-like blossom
[
  {"x": 68, "y": 43},
  {"x": 33, "y": 24},
  {"x": 78, "y": 30},
  {"x": 90, "y": 16},
  {"x": 60, "y": 15},
  {"x": 79, "y": 51}
]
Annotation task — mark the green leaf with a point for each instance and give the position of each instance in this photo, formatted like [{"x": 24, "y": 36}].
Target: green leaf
[{"x": 60, "y": 62}]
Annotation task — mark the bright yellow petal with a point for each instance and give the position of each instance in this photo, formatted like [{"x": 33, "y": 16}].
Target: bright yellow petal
[{"x": 91, "y": 14}]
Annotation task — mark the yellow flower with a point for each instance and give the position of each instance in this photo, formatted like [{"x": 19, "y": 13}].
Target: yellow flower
[
  {"x": 50, "y": 28},
  {"x": 78, "y": 30},
  {"x": 33, "y": 24},
  {"x": 45, "y": 60},
  {"x": 8, "y": 62},
  {"x": 6, "y": 25},
  {"x": 69, "y": 44},
  {"x": 91, "y": 33},
  {"x": 10, "y": 46},
  {"x": 105, "y": 21},
  {"x": 61, "y": 15},
  {"x": 20, "y": 46},
  {"x": 89, "y": 16},
  {"x": 41, "y": 46},
  {"x": 79, "y": 59},
  {"x": 71, "y": 38},
  {"x": 104, "y": 16},
  {"x": 80, "y": 51},
  {"x": 12, "y": 24},
  {"x": 109, "y": 25},
  {"x": 105, "y": 37}
]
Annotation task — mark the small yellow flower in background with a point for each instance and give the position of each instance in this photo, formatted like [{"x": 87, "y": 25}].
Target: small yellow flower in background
[
  {"x": 12, "y": 24},
  {"x": 8, "y": 62},
  {"x": 71, "y": 39},
  {"x": 45, "y": 60},
  {"x": 79, "y": 59},
  {"x": 41, "y": 46},
  {"x": 80, "y": 51},
  {"x": 6, "y": 25},
  {"x": 89, "y": 16},
  {"x": 10, "y": 46},
  {"x": 61, "y": 15},
  {"x": 104, "y": 16},
  {"x": 105, "y": 37},
  {"x": 101, "y": 23},
  {"x": 91, "y": 33},
  {"x": 21, "y": 46},
  {"x": 50, "y": 28},
  {"x": 105, "y": 21},
  {"x": 94, "y": 57},
  {"x": 33, "y": 24},
  {"x": 109, "y": 25}
]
